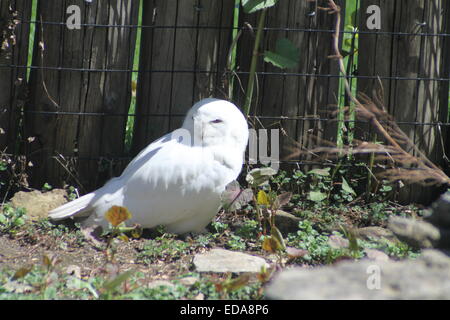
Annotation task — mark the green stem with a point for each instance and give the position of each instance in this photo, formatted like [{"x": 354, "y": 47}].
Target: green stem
[
  {"x": 254, "y": 62},
  {"x": 232, "y": 67}
]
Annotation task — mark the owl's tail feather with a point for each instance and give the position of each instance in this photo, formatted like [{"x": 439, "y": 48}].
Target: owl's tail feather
[{"x": 79, "y": 207}]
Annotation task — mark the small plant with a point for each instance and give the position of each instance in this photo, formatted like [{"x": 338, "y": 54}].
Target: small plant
[
  {"x": 11, "y": 219},
  {"x": 46, "y": 187},
  {"x": 166, "y": 248},
  {"x": 219, "y": 227},
  {"x": 249, "y": 229},
  {"x": 236, "y": 243},
  {"x": 316, "y": 245},
  {"x": 117, "y": 216},
  {"x": 231, "y": 284},
  {"x": 72, "y": 193}
]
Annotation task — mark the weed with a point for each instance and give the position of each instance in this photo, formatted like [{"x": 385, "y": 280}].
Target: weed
[
  {"x": 249, "y": 229},
  {"x": 11, "y": 219},
  {"x": 166, "y": 248},
  {"x": 319, "y": 250},
  {"x": 236, "y": 243}
]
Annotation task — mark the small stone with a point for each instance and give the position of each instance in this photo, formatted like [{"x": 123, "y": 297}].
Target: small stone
[
  {"x": 427, "y": 277},
  {"x": 286, "y": 222},
  {"x": 220, "y": 260},
  {"x": 200, "y": 296},
  {"x": 375, "y": 233},
  {"x": 337, "y": 242},
  {"x": 160, "y": 283},
  {"x": 376, "y": 255},
  {"x": 188, "y": 281},
  {"x": 418, "y": 234},
  {"x": 439, "y": 215}
]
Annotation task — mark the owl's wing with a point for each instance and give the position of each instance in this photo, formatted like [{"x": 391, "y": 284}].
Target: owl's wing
[{"x": 112, "y": 191}]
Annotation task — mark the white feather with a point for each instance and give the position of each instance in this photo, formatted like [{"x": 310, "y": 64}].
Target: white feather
[{"x": 175, "y": 181}]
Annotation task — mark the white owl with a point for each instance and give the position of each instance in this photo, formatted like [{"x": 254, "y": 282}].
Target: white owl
[{"x": 177, "y": 180}]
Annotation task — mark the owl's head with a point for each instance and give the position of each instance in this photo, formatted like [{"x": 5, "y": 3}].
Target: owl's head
[{"x": 213, "y": 122}]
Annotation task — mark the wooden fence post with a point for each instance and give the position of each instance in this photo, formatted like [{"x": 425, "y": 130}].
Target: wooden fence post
[
  {"x": 83, "y": 88},
  {"x": 170, "y": 53},
  {"x": 13, "y": 53},
  {"x": 305, "y": 95},
  {"x": 409, "y": 57}
]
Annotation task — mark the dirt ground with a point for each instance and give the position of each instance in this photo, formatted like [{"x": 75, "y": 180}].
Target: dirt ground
[{"x": 70, "y": 249}]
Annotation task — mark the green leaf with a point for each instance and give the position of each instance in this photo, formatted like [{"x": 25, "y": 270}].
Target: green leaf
[
  {"x": 317, "y": 196},
  {"x": 251, "y": 6},
  {"x": 346, "y": 187},
  {"x": 286, "y": 54},
  {"x": 260, "y": 176},
  {"x": 320, "y": 172}
]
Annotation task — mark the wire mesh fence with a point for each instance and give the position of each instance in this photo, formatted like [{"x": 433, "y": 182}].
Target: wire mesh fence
[{"x": 85, "y": 85}]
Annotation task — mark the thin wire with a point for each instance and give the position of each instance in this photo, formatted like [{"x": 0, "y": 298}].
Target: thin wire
[
  {"x": 295, "y": 118},
  {"x": 387, "y": 33},
  {"x": 291, "y": 74},
  {"x": 308, "y": 31}
]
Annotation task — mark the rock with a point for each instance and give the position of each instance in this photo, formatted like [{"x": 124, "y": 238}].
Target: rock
[
  {"x": 427, "y": 277},
  {"x": 200, "y": 296},
  {"x": 188, "y": 281},
  {"x": 375, "y": 233},
  {"x": 220, "y": 260},
  {"x": 286, "y": 222},
  {"x": 337, "y": 242},
  {"x": 160, "y": 283},
  {"x": 376, "y": 255},
  {"x": 37, "y": 204},
  {"x": 434, "y": 231},
  {"x": 439, "y": 214},
  {"x": 418, "y": 234}
]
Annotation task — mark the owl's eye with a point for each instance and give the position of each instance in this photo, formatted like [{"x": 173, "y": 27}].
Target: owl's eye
[{"x": 217, "y": 121}]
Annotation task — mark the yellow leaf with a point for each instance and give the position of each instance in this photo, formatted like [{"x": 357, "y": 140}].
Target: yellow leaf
[
  {"x": 276, "y": 234},
  {"x": 117, "y": 214},
  {"x": 271, "y": 244},
  {"x": 22, "y": 272},
  {"x": 262, "y": 198}
]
